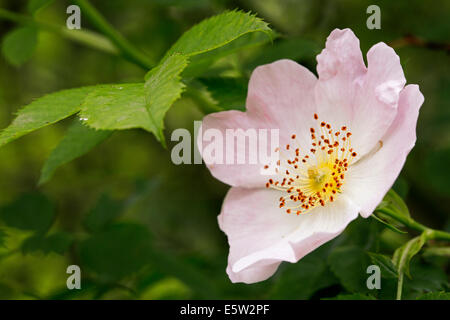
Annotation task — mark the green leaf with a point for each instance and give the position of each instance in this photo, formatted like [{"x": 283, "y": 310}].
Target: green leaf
[
  {"x": 435, "y": 296},
  {"x": 125, "y": 106},
  {"x": 57, "y": 242},
  {"x": 78, "y": 140},
  {"x": 116, "y": 106},
  {"x": 163, "y": 83},
  {"x": 392, "y": 201},
  {"x": 388, "y": 269},
  {"x": 32, "y": 211},
  {"x": 403, "y": 255},
  {"x": 104, "y": 212},
  {"x": 19, "y": 45},
  {"x": 200, "y": 63},
  {"x": 218, "y": 31},
  {"x": 349, "y": 264},
  {"x": 36, "y": 5},
  {"x": 137, "y": 106},
  {"x": 353, "y": 296},
  {"x": 163, "y": 87},
  {"x": 116, "y": 252},
  {"x": 45, "y": 111},
  {"x": 387, "y": 224}
]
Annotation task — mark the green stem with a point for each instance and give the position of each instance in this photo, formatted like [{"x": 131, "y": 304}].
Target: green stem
[
  {"x": 399, "y": 286},
  {"x": 126, "y": 48},
  {"x": 428, "y": 233},
  {"x": 88, "y": 38},
  {"x": 410, "y": 223}
]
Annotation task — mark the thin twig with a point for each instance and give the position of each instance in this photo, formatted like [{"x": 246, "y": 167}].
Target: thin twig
[
  {"x": 414, "y": 41},
  {"x": 88, "y": 38},
  {"x": 128, "y": 50}
]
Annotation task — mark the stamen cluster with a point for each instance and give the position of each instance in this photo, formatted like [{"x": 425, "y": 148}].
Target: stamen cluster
[{"x": 315, "y": 176}]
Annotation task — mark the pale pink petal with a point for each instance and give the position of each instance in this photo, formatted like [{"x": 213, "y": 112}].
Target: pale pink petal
[
  {"x": 341, "y": 56},
  {"x": 349, "y": 94},
  {"x": 369, "y": 179},
  {"x": 230, "y": 171},
  {"x": 261, "y": 235},
  {"x": 280, "y": 96},
  {"x": 377, "y": 101},
  {"x": 341, "y": 68},
  {"x": 283, "y": 91}
]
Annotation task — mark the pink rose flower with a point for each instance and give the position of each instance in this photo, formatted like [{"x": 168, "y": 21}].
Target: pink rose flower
[{"x": 344, "y": 139}]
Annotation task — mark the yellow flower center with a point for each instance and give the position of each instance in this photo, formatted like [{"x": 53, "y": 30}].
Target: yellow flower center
[{"x": 316, "y": 177}]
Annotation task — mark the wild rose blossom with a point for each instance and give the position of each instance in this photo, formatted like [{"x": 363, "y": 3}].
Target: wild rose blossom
[{"x": 344, "y": 138}]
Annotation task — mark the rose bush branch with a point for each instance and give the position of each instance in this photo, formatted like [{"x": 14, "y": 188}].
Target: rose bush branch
[
  {"x": 85, "y": 37},
  {"x": 414, "y": 41},
  {"x": 128, "y": 50},
  {"x": 414, "y": 225},
  {"x": 113, "y": 42}
]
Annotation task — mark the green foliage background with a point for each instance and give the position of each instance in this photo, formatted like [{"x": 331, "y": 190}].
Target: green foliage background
[{"x": 141, "y": 227}]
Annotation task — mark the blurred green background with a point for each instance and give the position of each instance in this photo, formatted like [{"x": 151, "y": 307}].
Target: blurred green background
[{"x": 141, "y": 227}]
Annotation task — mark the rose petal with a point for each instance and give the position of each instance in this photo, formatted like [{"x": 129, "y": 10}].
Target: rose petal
[
  {"x": 283, "y": 92},
  {"x": 261, "y": 235},
  {"x": 248, "y": 174},
  {"x": 341, "y": 56},
  {"x": 279, "y": 97},
  {"x": 348, "y": 94},
  {"x": 369, "y": 179}
]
